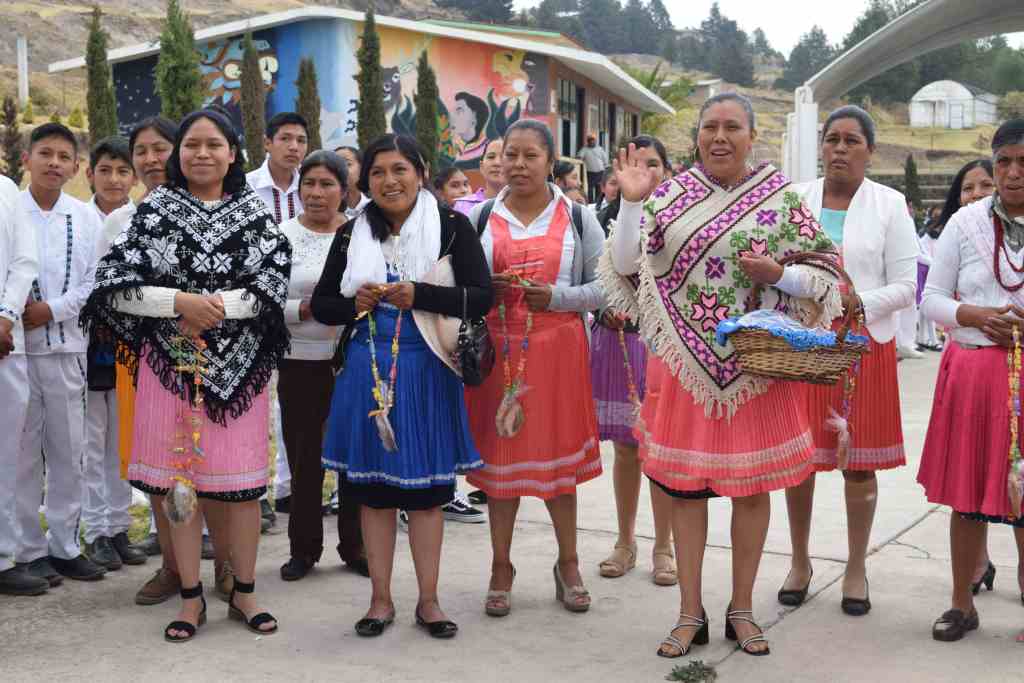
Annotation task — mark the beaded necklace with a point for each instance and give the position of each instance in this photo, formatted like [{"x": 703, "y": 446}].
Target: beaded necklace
[
  {"x": 1015, "y": 478},
  {"x": 1000, "y": 231},
  {"x": 510, "y": 416},
  {"x": 383, "y": 393},
  {"x": 634, "y": 395},
  {"x": 180, "y": 503}
]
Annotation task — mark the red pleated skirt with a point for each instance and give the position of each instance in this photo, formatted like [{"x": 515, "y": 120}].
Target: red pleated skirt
[
  {"x": 557, "y": 447},
  {"x": 765, "y": 446},
  {"x": 965, "y": 460},
  {"x": 876, "y": 428}
]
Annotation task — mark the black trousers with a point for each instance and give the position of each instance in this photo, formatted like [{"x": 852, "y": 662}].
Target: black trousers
[
  {"x": 304, "y": 389},
  {"x": 594, "y": 186}
]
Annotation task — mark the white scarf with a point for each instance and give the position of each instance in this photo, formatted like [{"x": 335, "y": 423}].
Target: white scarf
[{"x": 419, "y": 243}]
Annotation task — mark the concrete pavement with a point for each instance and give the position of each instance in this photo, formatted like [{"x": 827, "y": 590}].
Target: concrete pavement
[{"x": 95, "y": 632}]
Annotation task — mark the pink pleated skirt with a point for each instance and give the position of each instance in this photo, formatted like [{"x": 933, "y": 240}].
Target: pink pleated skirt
[
  {"x": 235, "y": 464},
  {"x": 964, "y": 463},
  {"x": 765, "y": 446}
]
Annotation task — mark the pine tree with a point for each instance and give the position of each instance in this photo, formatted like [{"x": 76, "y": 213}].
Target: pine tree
[
  {"x": 178, "y": 79},
  {"x": 29, "y": 115},
  {"x": 254, "y": 104},
  {"x": 12, "y": 141},
  {"x": 809, "y": 56},
  {"x": 728, "y": 51},
  {"x": 307, "y": 104},
  {"x": 911, "y": 184},
  {"x": 427, "y": 94},
  {"x": 372, "y": 122},
  {"x": 100, "y": 102}
]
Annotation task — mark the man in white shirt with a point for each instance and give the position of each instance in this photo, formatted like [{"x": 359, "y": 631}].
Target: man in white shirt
[
  {"x": 106, "y": 496},
  {"x": 595, "y": 160},
  {"x": 19, "y": 266},
  {"x": 67, "y": 233},
  {"x": 276, "y": 182}
]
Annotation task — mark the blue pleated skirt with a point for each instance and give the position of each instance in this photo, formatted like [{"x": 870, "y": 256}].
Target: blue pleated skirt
[{"x": 429, "y": 420}]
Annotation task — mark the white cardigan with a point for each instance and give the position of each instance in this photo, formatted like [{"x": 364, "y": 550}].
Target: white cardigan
[{"x": 879, "y": 251}]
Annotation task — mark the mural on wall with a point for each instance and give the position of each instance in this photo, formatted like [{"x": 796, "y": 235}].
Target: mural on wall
[{"x": 220, "y": 63}]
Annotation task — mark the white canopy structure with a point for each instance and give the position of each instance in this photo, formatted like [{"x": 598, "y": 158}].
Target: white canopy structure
[{"x": 934, "y": 25}]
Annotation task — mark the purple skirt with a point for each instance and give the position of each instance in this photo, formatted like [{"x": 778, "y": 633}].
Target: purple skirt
[
  {"x": 615, "y": 413},
  {"x": 922, "y": 277}
]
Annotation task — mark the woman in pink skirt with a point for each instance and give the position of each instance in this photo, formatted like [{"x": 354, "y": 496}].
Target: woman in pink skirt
[
  {"x": 200, "y": 279},
  {"x": 679, "y": 263},
  {"x": 976, "y": 290}
]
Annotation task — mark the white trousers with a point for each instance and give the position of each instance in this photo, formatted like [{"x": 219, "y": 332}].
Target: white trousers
[
  {"x": 52, "y": 445},
  {"x": 14, "y": 390},
  {"x": 105, "y": 496},
  {"x": 926, "y": 333},
  {"x": 906, "y": 333}
]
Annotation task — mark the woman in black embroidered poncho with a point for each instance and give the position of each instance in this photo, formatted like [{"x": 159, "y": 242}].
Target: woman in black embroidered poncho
[{"x": 203, "y": 259}]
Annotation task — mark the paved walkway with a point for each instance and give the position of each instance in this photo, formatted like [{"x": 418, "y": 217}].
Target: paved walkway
[{"x": 95, "y": 632}]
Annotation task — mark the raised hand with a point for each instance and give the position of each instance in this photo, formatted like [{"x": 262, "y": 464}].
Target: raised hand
[{"x": 632, "y": 174}]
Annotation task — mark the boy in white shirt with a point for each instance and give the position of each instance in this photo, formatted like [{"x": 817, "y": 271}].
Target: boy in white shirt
[
  {"x": 276, "y": 182},
  {"x": 106, "y": 496},
  {"x": 67, "y": 232},
  {"x": 19, "y": 266}
]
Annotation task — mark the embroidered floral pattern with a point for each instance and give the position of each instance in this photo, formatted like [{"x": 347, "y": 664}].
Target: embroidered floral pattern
[{"x": 709, "y": 312}]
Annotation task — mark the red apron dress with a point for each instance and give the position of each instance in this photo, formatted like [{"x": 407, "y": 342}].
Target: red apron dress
[{"x": 557, "y": 447}]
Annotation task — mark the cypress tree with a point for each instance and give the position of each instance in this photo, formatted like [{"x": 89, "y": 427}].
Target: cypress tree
[
  {"x": 426, "y": 111},
  {"x": 12, "y": 141},
  {"x": 372, "y": 122},
  {"x": 912, "y": 185},
  {"x": 178, "y": 79},
  {"x": 100, "y": 102},
  {"x": 254, "y": 104},
  {"x": 29, "y": 115},
  {"x": 307, "y": 104}
]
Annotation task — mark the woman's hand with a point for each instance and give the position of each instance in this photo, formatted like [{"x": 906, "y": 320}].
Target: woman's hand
[
  {"x": 613, "y": 320},
  {"x": 368, "y": 296},
  {"x": 401, "y": 295},
  {"x": 538, "y": 297},
  {"x": 996, "y": 323},
  {"x": 305, "y": 310},
  {"x": 198, "y": 313},
  {"x": 762, "y": 270},
  {"x": 632, "y": 174},
  {"x": 501, "y": 282}
]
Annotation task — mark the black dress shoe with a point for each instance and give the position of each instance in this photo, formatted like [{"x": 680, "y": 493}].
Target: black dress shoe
[
  {"x": 41, "y": 568},
  {"x": 437, "y": 629},
  {"x": 296, "y": 568},
  {"x": 101, "y": 551},
  {"x": 150, "y": 545},
  {"x": 794, "y": 597},
  {"x": 18, "y": 581},
  {"x": 80, "y": 568},
  {"x": 369, "y": 627},
  {"x": 954, "y": 625},
  {"x": 283, "y": 505},
  {"x": 128, "y": 553}
]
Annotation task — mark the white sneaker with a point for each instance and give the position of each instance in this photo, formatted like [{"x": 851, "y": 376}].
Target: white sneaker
[
  {"x": 459, "y": 510},
  {"x": 903, "y": 353}
]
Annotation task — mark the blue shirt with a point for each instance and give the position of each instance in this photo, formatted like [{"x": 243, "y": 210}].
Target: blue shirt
[{"x": 832, "y": 222}]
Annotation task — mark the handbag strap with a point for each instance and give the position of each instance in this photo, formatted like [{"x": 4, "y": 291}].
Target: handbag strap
[{"x": 465, "y": 297}]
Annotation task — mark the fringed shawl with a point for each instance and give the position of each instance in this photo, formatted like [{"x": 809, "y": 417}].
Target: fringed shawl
[
  {"x": 693, "y": 233},
  {"x": 178, "y": 241}
]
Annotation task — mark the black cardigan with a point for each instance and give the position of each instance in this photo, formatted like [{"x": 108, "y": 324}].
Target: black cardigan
[{"x": 468, "y": 261}]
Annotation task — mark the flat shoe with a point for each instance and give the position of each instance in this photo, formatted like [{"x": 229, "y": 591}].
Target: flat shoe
[
  {"x": 370, "y": 627},
  {"x": 437, "y": 629},
  {"x": 954, "y": 625},
  {"x": 795, "y": 597},
  {"x": 857, "y": 607}
]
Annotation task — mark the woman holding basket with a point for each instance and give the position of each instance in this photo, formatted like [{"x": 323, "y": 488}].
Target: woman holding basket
[
  {"x": 678, "y": 264},
  {"x": 875, "y": 234}
]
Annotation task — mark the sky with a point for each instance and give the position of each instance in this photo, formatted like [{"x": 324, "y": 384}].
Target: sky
[{"x": 776, "y": 18}]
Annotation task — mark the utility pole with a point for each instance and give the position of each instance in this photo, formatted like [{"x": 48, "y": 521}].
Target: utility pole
[{"x": 22, "y": 71}]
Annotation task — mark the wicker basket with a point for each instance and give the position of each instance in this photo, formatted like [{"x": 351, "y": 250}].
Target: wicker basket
[{"x": 763, "y": 354}]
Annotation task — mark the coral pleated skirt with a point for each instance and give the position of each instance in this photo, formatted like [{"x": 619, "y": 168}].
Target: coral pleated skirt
[
  {"x": 557, "y": 447},
  {"x": 766, "y": 445},
  {"x": 608, "y": 375},
  {"x": 235, "y": 464},
  {"x": 964, "y": 463}
]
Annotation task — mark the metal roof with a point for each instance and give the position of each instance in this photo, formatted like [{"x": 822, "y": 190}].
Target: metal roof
[
  {"x": 931, "y": 26},
  {"x": 596, "y": 67}
]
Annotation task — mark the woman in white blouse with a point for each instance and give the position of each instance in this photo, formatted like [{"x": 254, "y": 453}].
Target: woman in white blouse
[
  {"x": 875, "y": 235},
  {"x": 306, "y": 381},
  {"x": 974, "y": 290}
]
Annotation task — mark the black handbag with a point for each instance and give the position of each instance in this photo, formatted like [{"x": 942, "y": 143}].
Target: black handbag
[
  {"x": 100, "y": 372},
  {"x": 476, "y": 350}
]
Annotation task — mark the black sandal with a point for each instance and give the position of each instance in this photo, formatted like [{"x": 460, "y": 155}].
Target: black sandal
[
  {"x": 795, "y": 597},
  {"x": 857, "y": 607},
  {"x": 701, "y": 635},
  {"x": 954, "y": 625},
  {"x": 370, "y": 627},
  {"x": 730, "y": 631},
  {"x": 437, "y": 629},
  {"x": 190, "y": 629},
  {"x": 255, "y": 622}
]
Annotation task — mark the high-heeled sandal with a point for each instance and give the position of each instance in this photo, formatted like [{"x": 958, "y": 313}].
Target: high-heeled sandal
[
  {"x": 573, "y": 598},
  {"x": 857, "y": 607},
  {"x": 499, "y": 603},
  {"x": 664, "y": 571},
  {"x": 253, "y": 623},
  {"x": 794, "y": 597},
  {"x": 188, "y": 628},
  {"x": 701, "y": 637},
  {"x": 730, "y": 631},
  {"x": 620, "y": 562},
  {"x": 988, "y": 579}
]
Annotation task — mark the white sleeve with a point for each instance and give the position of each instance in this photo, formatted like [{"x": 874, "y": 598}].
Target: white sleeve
[
  {"x": 626, "y": 250},
  {"x": 938, "y": 303},
  {"x": 235, "y": 308},
  {"x": 23, "y": 261},
  {"x": 901, "y": 250},
  {"x": 798, "y": 282},
  {"x": 291, "y": 311},
  {"x": 67, "y": 306},
  {"x": 155, "y": 302}
]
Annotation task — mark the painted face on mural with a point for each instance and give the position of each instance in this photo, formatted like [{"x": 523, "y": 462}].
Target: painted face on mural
[
  {"x": 392, "y": 78},
  {"x": 464, "y": 121}
]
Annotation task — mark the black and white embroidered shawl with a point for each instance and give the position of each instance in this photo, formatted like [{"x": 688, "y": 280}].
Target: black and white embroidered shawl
[{"x": 177, "y": 241}]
